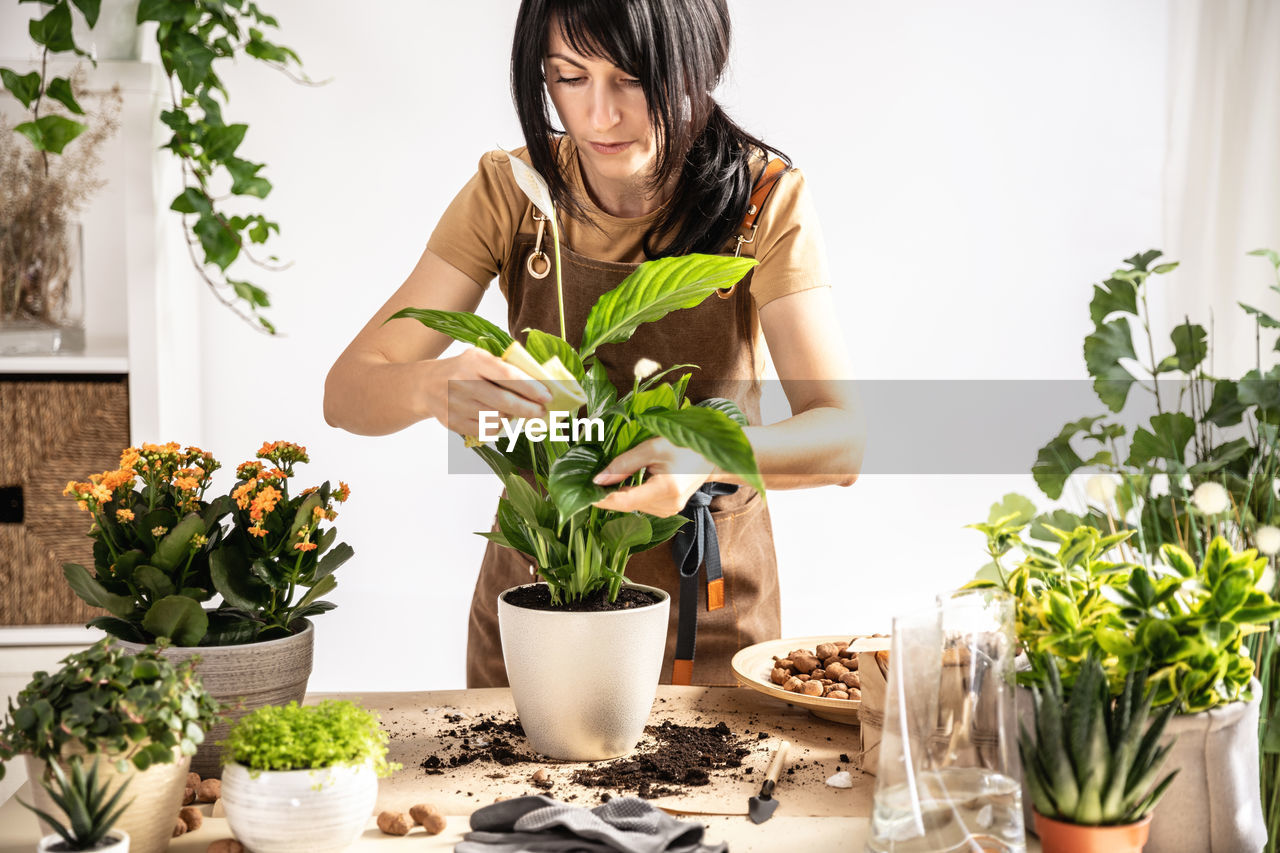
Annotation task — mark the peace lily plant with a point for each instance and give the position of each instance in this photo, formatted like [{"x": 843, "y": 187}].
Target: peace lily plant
[{"x": 580, "y": 549}]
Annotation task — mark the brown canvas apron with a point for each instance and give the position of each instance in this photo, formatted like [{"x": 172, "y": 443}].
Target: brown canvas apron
[{"x": 710, "y": 337}]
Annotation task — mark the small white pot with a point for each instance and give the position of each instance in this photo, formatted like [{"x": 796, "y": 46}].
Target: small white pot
[
  {"x": 117, "y": 842},
  {"x": 584, "y": 683},
  {"x": 298, "y": 811}
]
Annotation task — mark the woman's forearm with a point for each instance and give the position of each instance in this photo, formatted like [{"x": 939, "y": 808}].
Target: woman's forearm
[
  {"x": 367, "y": 396},
  {"x": 822, "y": 446}
]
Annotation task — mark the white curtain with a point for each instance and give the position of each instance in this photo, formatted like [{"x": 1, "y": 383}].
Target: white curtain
[{"x": 1222, "y": 174}]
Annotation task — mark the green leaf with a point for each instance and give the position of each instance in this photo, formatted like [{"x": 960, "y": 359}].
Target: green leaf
[
  {"x": 1265, "y": 320},
  {"x": 60, "y": 90},
  {"x": 176, "y": 544},
  {"x": 191, "y": 60},
  {"x": 244, "y": 179},
  {"x": 1114, "y": 294},
  {"x": 663, "y": 529},
  {"x": 51, "y": 133},
  {"x": 330, "y": 562},
  {"x": 543, "y": 347},
  {"x": 1141, "y": 261},
  {"x": 324, "y": 586},
  {"x": 87, "y": 587},
  {"x": 654, "y": 290},
  {"x": 1190, "y": 346},
  {"x": 459, "y": 325},
  {"x": 89, "y": 8},
  {"x": 26, "y": 88},
  {"x": 221, "y": 142},
  {"x": 1170, "y": 432},
  {"x": 1103, "y": 350},
  {"x": 155, "y": 582},
  {"x": 1013, "y": 509},
  {"x": 54, "y": 29},
  {"x": 165, "y": 11},
  {"x": 1261, "y": 390},
  {"x": 1057, "y": 460},
  {"x": 1178, "y": 560},
  {"x": 713, "y": 435},
  {"x": 726, "y": 406},
  {"x": 235, "y": 582},
  {"x": 191, "y": 200},
  {"x": 218, "y": 241},
  {"x": 626, "y": 531},
  {"x": 1225, "y": 409},
  {"x": 569, "y": 482},
  {"x": 178, "y": 618}
]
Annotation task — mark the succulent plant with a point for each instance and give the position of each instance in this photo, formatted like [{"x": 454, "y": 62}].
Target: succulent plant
[
  {"x": 83, "y": 797},
  {"x": 1094, "y": 760}
]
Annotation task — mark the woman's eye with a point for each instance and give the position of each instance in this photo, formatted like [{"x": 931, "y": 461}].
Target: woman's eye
[
  {"x": 629, "y": 82},
  {"x": 570, "y": 80}
]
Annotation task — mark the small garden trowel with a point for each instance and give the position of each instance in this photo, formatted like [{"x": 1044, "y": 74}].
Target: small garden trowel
[{"x": 762, "y": 806}]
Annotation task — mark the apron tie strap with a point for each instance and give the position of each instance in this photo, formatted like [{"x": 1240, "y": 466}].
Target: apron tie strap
[{"x": 695, "y": 545}]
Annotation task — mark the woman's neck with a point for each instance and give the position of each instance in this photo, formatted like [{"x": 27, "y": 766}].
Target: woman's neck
[{"x": 625, "y": 199}]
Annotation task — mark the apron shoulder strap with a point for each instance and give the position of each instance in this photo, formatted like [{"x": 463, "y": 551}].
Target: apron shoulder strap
[{"x": 765, "y": 185}]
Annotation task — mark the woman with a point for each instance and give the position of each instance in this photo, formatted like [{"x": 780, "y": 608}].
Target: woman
[{"x": 647, "y": 165}]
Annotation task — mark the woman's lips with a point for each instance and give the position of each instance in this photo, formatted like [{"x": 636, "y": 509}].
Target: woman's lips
[{"x": 610, "y": 148}]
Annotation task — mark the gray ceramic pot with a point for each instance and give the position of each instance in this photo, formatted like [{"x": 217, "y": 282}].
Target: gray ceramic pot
[
  {"x": 246, "y": 677},
  {"x": 584, "y": 683}
]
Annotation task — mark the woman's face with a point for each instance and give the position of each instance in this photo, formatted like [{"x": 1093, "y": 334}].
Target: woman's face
[{"x": 603, "y": 110}]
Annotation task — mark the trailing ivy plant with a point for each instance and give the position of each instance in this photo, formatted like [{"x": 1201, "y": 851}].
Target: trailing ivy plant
[{"x": 192, "y": 35}]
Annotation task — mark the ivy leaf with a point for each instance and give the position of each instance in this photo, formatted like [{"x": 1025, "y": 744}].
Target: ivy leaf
[
  {"x": 164, "y": 11},
  {"x": 54, "y": 29},
  {"x": 89, "y": 8},
  {"x": 459, "y": 325},
  {"x": 25, "y": 87},
  {"x": 250, "y": 293},
  {"x": 1167, "y": 439},
  {"x": 1113, "y": 295},
  {"x": 244, "y": 177},
  {"x": 51, "y": 133},
  {"x": 191, "y": 200},
  {"x": 221, "y": 142},
  {"x": 218, "y": 241},
  {"x": 190, "y": 59},
  {"x": 1103, "y": 350},
  {"x": 654, "y": 290},
  {"x": 569, "y": 481},
  {"x": 712, "y": 434},
  {"x": 1189, "y": 344}
]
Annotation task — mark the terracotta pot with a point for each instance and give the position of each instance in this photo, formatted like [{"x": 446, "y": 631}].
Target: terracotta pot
[
  {"x": 298, "y": 811},
  {"x": 117, "y": 841},
  {"x": 246, "y": 677},
  {"x": 156, "y": 795},
  {"x": 1059, "y": 837},
  {"x": 584, "y": 683}
]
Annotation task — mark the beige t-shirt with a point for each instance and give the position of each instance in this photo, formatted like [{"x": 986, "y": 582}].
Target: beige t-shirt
[{"x": 477, "y": 229}]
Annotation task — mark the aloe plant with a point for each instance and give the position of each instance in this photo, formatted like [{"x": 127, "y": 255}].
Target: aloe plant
[
  {"x": 1093, "y": 759},
  {"x": 83, "y": 797}
]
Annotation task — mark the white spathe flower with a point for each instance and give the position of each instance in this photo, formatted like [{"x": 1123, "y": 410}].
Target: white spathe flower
[
  {"x": 1101, "y": 488},
  {"x": 646, "y": 367},
  {"x": 1275, "y": 488},
  {"x": 1159, "y": 485},
  {"x": 1267, "y": 539},
  {"x": 1211, "y": 498}
]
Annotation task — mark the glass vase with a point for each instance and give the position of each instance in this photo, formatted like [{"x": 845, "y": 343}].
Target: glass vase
[{"x": 42, "y": 293}]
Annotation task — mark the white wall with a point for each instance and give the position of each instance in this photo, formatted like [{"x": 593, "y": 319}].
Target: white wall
[{"x": 976, "y": 166}]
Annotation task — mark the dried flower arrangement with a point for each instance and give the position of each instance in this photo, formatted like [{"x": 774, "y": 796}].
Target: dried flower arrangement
[{"x": 39, "y": 199}]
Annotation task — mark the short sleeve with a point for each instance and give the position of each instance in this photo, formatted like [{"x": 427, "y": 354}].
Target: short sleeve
[
  {"x": 789, "y": 241},
  {"x": 476, "y": 230}
]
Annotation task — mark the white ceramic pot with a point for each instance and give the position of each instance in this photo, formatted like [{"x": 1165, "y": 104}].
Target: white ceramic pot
[
  {"x": 1214, "y": 804},
  {"x": 584, "y": 683},
  {"x": 298, "y": 811},
  {"x": 246, "y": 677},
  {"x": 154, "y": 796},
  {"x": 118, "y": 838}
]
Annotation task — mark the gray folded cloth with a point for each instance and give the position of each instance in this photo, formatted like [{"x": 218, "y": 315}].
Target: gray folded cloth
[{"x": 539, "y": 824}]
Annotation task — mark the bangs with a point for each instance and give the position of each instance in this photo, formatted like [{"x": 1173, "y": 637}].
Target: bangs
[{"x": 606, "y": 29}]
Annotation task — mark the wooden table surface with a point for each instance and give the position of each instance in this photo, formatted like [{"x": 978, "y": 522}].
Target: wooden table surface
[{"x": 812, "y": 816}]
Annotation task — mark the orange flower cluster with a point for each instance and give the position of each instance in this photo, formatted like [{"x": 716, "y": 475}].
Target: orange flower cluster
[{"x": 284, "y": 454}]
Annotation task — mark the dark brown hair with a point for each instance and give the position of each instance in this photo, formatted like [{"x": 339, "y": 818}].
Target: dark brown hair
[{"x": 677, "y": 49}]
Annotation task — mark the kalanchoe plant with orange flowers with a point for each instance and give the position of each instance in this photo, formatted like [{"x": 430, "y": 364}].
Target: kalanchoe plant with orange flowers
[
  {"x": 279, "y": 558},
  {"x": 153, "y": 533}
]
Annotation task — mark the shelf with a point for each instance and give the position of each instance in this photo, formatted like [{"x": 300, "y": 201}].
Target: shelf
[
  {"x": 109, "y": 355},
  {"x": 48, "y": 635}
]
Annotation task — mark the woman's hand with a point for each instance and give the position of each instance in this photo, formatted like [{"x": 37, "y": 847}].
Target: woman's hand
[
  {"x": 674, "y": 474},
  {"x": 463, "y": 386}
]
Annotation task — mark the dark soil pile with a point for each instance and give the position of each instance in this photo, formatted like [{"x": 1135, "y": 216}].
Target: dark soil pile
[
  {"x": 683, "y": 755},
  {"x": 538, "y": 597},
  {"x": 670, "y": 759}
]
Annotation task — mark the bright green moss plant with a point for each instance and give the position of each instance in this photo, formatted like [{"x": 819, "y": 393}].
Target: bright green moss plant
[{"x": 308, "y": 737}]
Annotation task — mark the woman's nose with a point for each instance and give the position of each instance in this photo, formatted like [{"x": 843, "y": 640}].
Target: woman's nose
[{"x": 604, "y": 109}]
